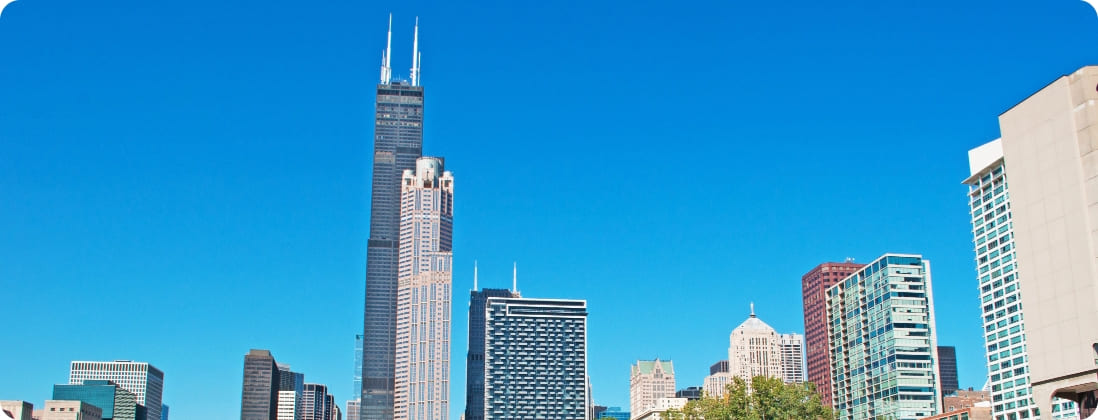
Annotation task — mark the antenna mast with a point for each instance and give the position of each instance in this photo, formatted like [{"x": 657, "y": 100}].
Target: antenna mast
[
  {"x": 415, "y": 55},
  {"x": 474, "y": 275},
  {"x": 386, "y": 71}
]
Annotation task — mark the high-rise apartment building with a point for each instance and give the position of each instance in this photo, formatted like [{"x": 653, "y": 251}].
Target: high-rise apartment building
[
  {"x": 792, "y": 351},
  {"x": 142, "y": 379},
  {"x": 398, "y": 142},
  {"x": 650, "y": 380},
  {"x": 289, "y": 405},
  {"x": 71, "y": 410},
  {"x": 814, "y": 285},
  {"x": 316, "y": 404},
  {"x": 754, "y": 349},
  {"x": 16, "y": 410},
  {"x": 474, "y": 360},
  {"x": 259, "y": 392},
  {"x": 1049, "y": 144},
  {"x": 535, "y": 359},
  {"x": 884, "y": 361},
  {"x": 424, "y": 292},
  {"x": 715, "y": 384},
  {"x": 115, "y": 402},
  {"x": 947, "y": 369}
]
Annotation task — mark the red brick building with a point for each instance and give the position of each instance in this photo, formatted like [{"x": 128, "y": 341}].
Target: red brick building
[{"x": 813, "y": 285}]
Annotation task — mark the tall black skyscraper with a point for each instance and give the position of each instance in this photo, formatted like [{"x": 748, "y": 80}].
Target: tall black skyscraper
[
  {"x": 947, "y": 368},
  {"x": 474, "y": 370},
  {"x": 398, "y": 142},
  {"x": 259, "y": 399}
]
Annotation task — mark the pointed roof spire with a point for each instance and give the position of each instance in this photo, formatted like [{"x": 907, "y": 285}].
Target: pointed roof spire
[
  {"x": 475, "y": 275},
  {"x": 514, "y": 278},
  {"x": 386, "y": 70},
  {"x": 415, "y": 55}
]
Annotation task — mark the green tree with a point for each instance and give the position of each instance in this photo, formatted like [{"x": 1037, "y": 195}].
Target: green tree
[{"x": 764, "y": 399}]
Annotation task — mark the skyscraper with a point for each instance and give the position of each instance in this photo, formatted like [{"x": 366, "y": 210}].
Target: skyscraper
[
  {"x": 650, "y": 380},
  {"x": 316, "y": 403},
  {"x": 291, "y": 382},
  {"x": 140, "y": 378},
  {"x": 398, "y": 142},
  {"x": 259, "y": 395},
  {"x": 535, "y": 359},
  {"x": 718, "y": 379},
  {"x": 474, "y": 360},
  {"x": 754, "y": 350},
  {"x": 814, "y": 285},
  {"x": 115, "y": 402},
  {"x": 1048, "y": 143},
  {"x": 884, "y": 361},
  {"x": 289, "y": 405},
  {"x": 947, "y": 369},
  {"x": 792, "y": 350},
  {"x": 424, "y": 292}
]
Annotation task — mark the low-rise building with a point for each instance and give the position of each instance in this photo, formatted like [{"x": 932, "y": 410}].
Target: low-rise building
[
  {"x": 71, "y": 410},
  {"x": 970, "y": 413},
  {"x": 16, "y": 410}
]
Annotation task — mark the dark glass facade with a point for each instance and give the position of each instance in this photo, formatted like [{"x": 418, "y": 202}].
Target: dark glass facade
[
  {"x": 690, "y": 393},
  {"x": 398, "y": 142},
  {"x": 947, "y": 369},
  {"x": 259, "y": 400},
  {"x": 116, "y": 403},
  {"x": 474, "y": 361}
]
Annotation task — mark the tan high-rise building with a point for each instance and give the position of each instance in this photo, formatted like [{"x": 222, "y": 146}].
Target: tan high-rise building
[
  {"x": 649, "y": 381},
  {"x": 1050, "y": 152},
  {"x": 754, "y": 349},
  {"x": 423, "y": 292}
]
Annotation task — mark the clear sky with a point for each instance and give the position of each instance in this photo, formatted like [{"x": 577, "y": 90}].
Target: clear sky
[{"x": 184, "y": 181}]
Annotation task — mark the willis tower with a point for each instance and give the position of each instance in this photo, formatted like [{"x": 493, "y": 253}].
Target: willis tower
[{"x": 398, "y": 142}]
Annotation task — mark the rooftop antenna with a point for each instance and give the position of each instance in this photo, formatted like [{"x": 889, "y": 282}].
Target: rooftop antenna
[
  {"x": 415, "y": 55},
  {"x": 386, "y": 71},
  {"x": 474, "y": 275},
  {"x": 514, "y": 278},
  {"x": 752, "y": 309}
]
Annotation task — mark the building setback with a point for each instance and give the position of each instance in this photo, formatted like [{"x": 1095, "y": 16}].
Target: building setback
[
  {"x": 142, "y": 379},
  {"x": 535, "y": 359},
  {"x": 1049, "y": 144},
  {"x": 883, "y": 345},
  {"x": 398, "y": 142},
  {"x": 1000, "y": 292},
  {"x": 649, "y": 381},
  {"x": 792, "y": 350},
  {"x": 115, "y": 402},
  {"x": 814, "y": 285}
]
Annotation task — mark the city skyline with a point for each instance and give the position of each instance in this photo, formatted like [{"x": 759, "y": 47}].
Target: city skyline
[{"x": 229, "y": 186}]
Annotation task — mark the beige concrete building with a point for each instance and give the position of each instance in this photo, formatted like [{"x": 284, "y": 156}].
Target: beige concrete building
[
  {"x": 70, "y": 410},
  {"x": 424, "y": 292},
  {"x": 1050, "y": 147},
  {"x": 754, "y": 350},
  {"x": 657, "y": 411},
  {"x": 649, "y": 381},
  {"x": 16, "y": 410}
]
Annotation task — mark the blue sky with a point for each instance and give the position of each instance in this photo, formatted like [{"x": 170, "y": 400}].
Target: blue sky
[{"x": 183, "y": 182}]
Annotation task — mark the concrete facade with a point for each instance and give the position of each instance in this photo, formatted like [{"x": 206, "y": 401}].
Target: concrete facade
[
  {"x": 1049, "y": 146},
  {"x": 17, "y": 410},
  {"x": 70, "y": 410},
  {"x": 792, "y": 350},
  {"x": 754, "y": 349}
]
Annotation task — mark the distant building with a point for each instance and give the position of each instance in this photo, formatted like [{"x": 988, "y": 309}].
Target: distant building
[
  {"x": 142, "y": 379},
  {"x": 947, "y": 369},
  {"x": 754, "y": 350},
  {"x": 615, "y": 413},
  {"x": 596, "y": 411},
  {"x": 535, "y": 359},
  {"x": 657, "y": 411},
  {"x": 352, "y": 409},
  {"x": 715, "y": 384},
  {"x": 970, "y": 413},
  {"x": 289, "y": 405},
  {"x": 290, "y": 381},
  {"x": 71, "y": 410},
  {"x": 691, "y": 393},
  {"x": 792, "y": 350},
  {"x": 650, "y": 380},
  {"x": 357, "y": 374},
  {"x": 164, "y": 411},
  {"x": 259, "y": 395},
  {"x": 337, "y": 414},
  {"x": 315, "y": 403},
  {"x": 883, "y": 346},
  {"x": 814, "y": 285},
  {"x": 17, "y": 410},
  {"x": 474, "y": 360},
  {"x": 115, "y": 402},
  {"x": 960, "y": 399}
]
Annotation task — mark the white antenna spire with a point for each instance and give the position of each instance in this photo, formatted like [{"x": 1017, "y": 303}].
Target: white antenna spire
[
  {"x": 415, "y": 55},
  {"x": 474, "y": 275},
  {"x": 386, "y": 71},
  {"x": 514, "y": 279},
  {"x": 752, "y": 309}
]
